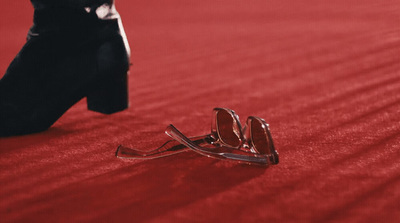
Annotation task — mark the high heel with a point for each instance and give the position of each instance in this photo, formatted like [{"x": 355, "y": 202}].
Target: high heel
[
  {"x": 70, "y": 54},
  {"x": 109, "y": 97}
]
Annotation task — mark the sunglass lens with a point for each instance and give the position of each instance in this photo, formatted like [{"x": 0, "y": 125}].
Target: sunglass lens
[
  {"x": 228, "y": 128},
  {"x": 259, "y": 136}
]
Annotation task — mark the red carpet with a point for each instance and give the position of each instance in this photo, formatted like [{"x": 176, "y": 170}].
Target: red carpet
[{"x": 325, "y": 76}]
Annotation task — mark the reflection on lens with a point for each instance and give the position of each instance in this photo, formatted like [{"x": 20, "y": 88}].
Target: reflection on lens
[
  {"x": 259, "y": 136},
  {"x": 228, "y": 128}
]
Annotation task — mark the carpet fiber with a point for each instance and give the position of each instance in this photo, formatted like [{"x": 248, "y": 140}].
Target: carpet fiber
[{"x": 324, "y": 75}]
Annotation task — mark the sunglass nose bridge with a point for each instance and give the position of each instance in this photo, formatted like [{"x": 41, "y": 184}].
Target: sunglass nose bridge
[{"x": 245, "y": 145}]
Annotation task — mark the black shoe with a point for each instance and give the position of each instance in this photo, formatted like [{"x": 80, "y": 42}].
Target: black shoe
[{"x": 70, "y": 54}]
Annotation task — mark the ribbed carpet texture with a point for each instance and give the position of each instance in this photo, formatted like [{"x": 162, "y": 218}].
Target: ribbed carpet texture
[{"x": 324, "y": 74}]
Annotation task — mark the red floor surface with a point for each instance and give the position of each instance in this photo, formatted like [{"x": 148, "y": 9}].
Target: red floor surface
[{"x": 324, "y": 74}]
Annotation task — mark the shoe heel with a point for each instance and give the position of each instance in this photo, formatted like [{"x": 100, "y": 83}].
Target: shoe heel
[{"x": 109, "y": 96}]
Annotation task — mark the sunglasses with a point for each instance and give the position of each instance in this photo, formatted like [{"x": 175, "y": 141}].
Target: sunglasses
[{"x": 251, "y": 144}]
